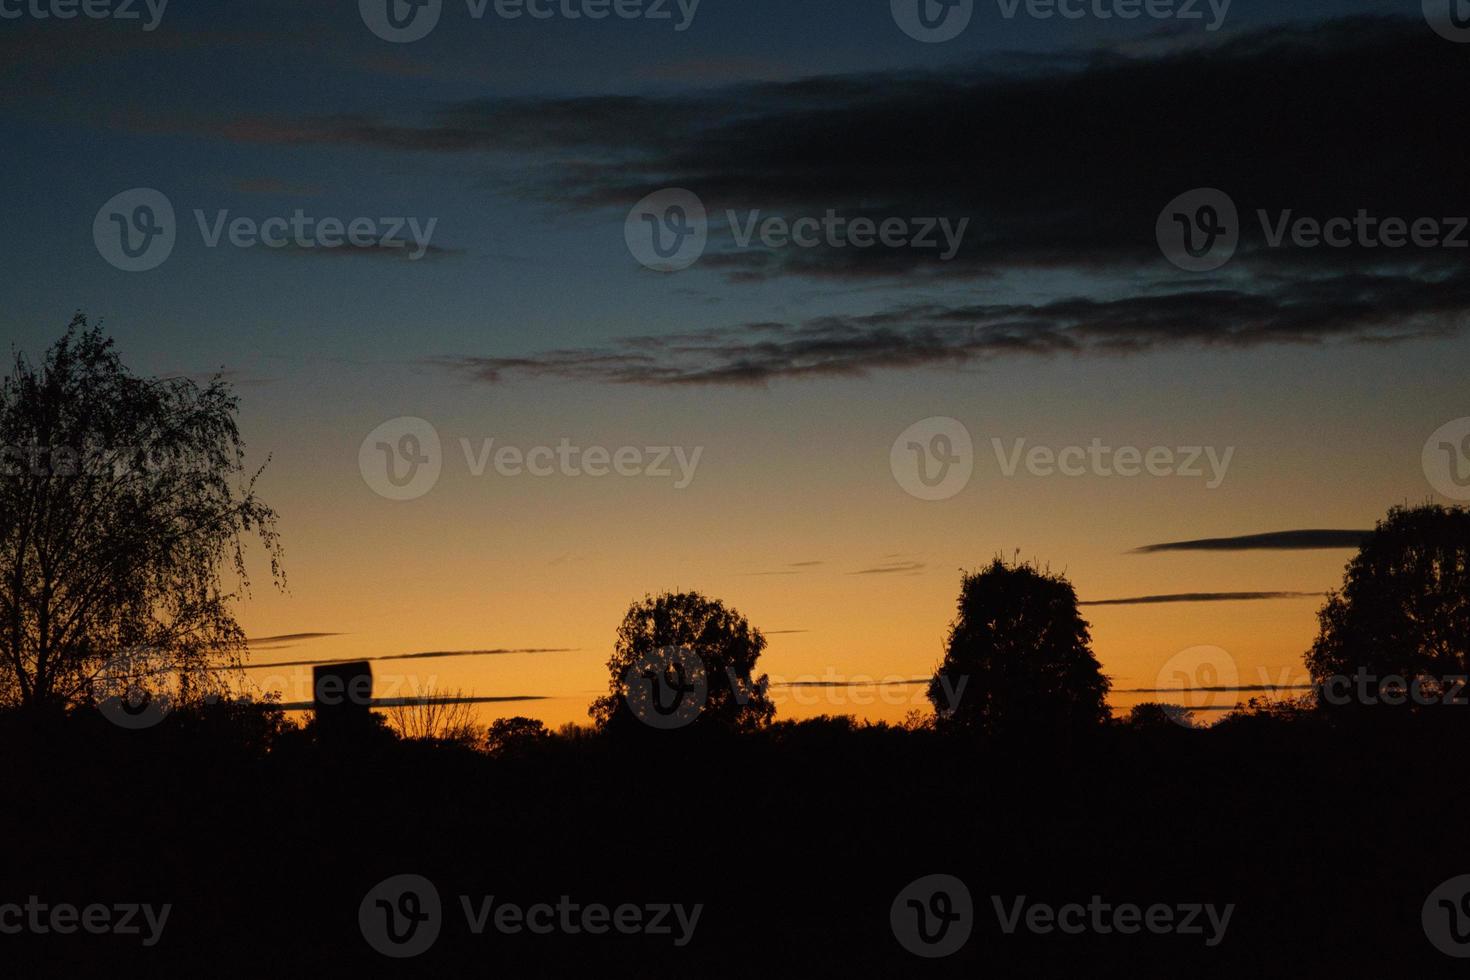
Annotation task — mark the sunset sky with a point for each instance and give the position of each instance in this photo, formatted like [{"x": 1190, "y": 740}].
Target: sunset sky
[{"x": 792, "y": 371}]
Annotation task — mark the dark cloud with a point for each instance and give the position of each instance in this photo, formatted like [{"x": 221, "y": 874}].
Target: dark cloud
[
  {"x": 1271, "y": 541},
  {"x": 1060, "y": 162},
  {"x": 1350, "y": 308},
  {"x": 1124, "y": 130},
  {"x": 289, "y": 637},
  {"x": 1144, "y": 600}
]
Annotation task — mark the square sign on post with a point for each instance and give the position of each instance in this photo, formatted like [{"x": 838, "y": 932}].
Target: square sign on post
[{"x": 342, "y": 696}]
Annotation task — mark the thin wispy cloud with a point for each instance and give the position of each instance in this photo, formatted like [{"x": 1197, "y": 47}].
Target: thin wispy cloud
[
  {"x": 431, "y": 699},
  {"x": 408, "y": 656},
  {"x": 792, "y": 568},
  {"x": 1144, "y": 600},
  {"x": 289, "y": 638},
  {"x": 891, "y": 568},
  {"x": 869, "y": 682},
  {"x": 274, "y": 187},
  {"x": 406, "y": 251},
  {"x": 1224, "y": 689},
  {"x": 1304, "y": 540}
]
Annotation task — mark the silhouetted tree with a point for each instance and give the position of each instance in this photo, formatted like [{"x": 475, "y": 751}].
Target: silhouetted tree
[
  {"x": 511, "y": 735},
  {"x": 436, "y": 716},
  {"x": 1403, "y": 613},
  {"x": 724, "y": 641},
  {"x": 122, "y": 507},
  {"x": 1019, "y": 657}
]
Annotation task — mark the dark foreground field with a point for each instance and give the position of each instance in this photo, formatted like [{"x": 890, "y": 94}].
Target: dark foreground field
[{"x": 1327, "y": 838}]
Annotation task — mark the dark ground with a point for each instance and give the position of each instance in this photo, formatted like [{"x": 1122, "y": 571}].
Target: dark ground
[{"x": 1327, "y": 837}]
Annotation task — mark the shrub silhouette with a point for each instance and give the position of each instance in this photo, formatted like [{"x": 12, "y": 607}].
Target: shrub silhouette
[
  {"x": 1153, "y": 714},
  {"x": 1019, "y": 657},
  {"x": 1403, "y": 611},
  {"x": 725, "y": 642}
]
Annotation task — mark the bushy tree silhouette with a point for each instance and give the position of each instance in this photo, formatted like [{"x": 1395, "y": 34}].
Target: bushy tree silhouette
[
  {"x": 722, "y": 639},
  {"x": 1019, "y": 657},
  {"x": 516, "y": 734},
  {"x": 1154, "y": 714},
  {"x": 1403, "y": 613},
  {"x": 123, "y": 506}
]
